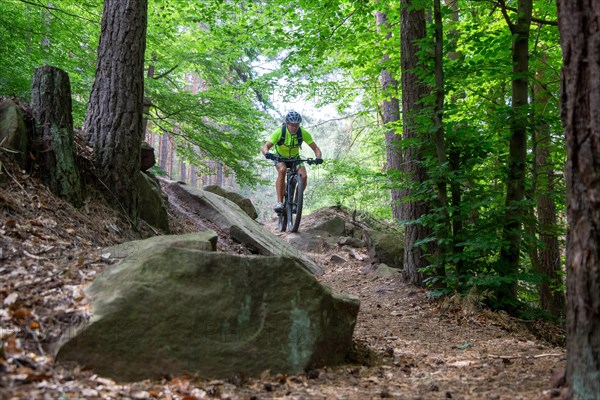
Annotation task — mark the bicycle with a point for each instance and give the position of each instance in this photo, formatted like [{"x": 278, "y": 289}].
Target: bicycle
[{"x": 293, "y": 196}]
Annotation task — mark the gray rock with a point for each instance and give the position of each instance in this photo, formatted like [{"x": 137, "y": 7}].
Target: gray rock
[
  {"x": 171, "y": 310},
  {"x": 337, "y": 259},
  {"x": 237, "y": 224},
  {"x": 241, "y": 201},
  {"x": 205, "y": 240},
  {"x": 350, "y": 241},
  {"x": 387, "y": 248},
  {"x": 305, "y": 242},
  {"x": 335, "y": 226},
  {"x": 13, "y": 131},
  {"x": 384, "y": 271},
  {"x": 147, "y": 157},
  {"x": 152, "y": 204}
]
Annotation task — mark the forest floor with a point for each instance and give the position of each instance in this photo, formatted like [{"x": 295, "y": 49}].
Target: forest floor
[{"x": 408, "y": 346}]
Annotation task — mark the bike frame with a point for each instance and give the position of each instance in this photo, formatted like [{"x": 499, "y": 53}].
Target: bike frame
[{"x": 290, "y": 218}]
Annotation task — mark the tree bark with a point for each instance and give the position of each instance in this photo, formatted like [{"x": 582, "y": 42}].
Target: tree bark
[
  {"x": 508, "y": 264},
  {"x": 413, "y": 29},
  {"x": 391, "y": 113},
  {"x": 454, "y": 161},
  {"x": 442, "y": 233},
  {"x": 53, "y": 142},
  {"x": 548, "y": 260},
  {"x": 580, "y": 108},
  {"x": 114, "y": 116},
  {"x": 164, "y": 151}
]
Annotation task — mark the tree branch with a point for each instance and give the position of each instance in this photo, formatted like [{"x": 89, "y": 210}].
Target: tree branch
[
  {"x": 52, "y": 8},
  {"x": 166, "y": 73}
]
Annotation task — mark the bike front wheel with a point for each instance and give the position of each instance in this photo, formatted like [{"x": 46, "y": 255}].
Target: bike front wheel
[
  {"x": 282, "y": 220},
  {"x": 294, "y": 203}
]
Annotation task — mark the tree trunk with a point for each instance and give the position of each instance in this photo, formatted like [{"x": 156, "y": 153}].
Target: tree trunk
[
  {"x": 219, "y": 173},
  {"x": 552, "y": 300},
  {"x": 391, "y": 113},
  {"x": 182, "y": 172},
  {"x": 163, "y": 151},
  {"x": 54, "y": 146},
  {"x": 454, "y": 161},
  {"x": 114, "y": 116},
  {"x": 443, "y": 231},
  {"x": 580, "y": 42},
  {"x": 413, "y": 29},
  {"x": 193, "y": 176},
  {"x": 508, "y": 264}
]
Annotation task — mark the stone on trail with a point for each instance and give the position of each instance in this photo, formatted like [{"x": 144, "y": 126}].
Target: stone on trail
[{"x": 175, "y": 309}]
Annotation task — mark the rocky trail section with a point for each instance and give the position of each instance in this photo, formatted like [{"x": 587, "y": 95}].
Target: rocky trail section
[{"x": 407, "y": 346}]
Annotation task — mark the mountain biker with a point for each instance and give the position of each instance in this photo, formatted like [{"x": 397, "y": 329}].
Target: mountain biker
[{"x": 289, "y": 148}]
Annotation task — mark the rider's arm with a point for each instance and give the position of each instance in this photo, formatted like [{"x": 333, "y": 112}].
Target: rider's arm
[
  {"x": 315, "y": 149},
  {"x": 265, "y": 149}
]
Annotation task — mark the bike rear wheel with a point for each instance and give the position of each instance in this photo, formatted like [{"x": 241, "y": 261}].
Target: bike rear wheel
[{"x": 294, "y": 203}]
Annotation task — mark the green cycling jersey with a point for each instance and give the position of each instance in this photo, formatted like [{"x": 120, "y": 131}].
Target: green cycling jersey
[{"x": 290, "y": 147}]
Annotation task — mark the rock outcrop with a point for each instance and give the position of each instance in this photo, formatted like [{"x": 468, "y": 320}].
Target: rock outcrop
[
  {"x": 173, "y": 306},
  {"x": 235, "y": 223}
]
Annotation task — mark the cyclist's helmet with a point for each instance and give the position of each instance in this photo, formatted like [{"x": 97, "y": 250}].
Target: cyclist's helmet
[{"x": 293, "y": 117}]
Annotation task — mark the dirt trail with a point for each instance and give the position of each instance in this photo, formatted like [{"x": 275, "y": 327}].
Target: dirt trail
[{"x": 408, "y": 346}]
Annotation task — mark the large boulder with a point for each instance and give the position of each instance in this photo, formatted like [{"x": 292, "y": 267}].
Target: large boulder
[
  {"x": 336, "y": 226},
  {"x": 152, "y": 202},
  {"x": 242, "y": 202},
  {"x": 147, "y": 157},
  {"x": 235, "y": 223},
  {"x": 385, "y": 247},
  {"x": 177, "y": 309},
  {"x": 13, "y": 131}
]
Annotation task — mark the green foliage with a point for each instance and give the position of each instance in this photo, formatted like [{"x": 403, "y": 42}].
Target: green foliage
[{"x": 62, "y": 33}]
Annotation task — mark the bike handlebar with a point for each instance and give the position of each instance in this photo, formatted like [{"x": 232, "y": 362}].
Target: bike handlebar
[{"x": 295, "y": 161}]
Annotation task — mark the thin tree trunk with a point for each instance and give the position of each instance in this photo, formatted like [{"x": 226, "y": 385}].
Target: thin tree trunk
[
  {"x": 114, "y": 116},
  {"x": 443, "y": 231},
  {"x": 391, "y": 113},
  {"x": 508, "y": 264},
  {"x": 193, "y": 176},
  {"x": 182, "y": 172},
  {"x": 164, "y": 151},
  {"x": 549, "y": 264},
  {"x": 454, "y": 161},
  {"x": 413, "y": 29},
  {"x": 580, "y": 42}
]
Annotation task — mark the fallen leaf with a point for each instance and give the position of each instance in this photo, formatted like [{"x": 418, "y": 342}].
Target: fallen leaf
[
  {"x": 21, "y": 313},
  {"x": 11, "y": 298}
]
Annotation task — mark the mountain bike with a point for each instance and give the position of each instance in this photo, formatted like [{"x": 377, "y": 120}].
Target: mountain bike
[{"x": 291, "y": 214}]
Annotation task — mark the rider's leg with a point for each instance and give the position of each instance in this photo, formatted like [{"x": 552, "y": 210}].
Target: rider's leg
[
  {"x": 303, "y": 174},
  {"x": 280, "y": 183}
]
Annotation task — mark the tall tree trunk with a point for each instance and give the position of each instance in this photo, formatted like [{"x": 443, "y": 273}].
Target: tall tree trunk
[
  {"x": 454, "y": 161},
  {"x": 580, "y": 42},
  {"x": 219, "y": 173},
  {"x": 163, "y": 152},
  {"x": 443, "y": 231},
  {"x": 548, "y": 260},
  {"x": 193, "y": 176},
  {"x": 508, "y": 264},
  {"x": 54, "y": 146},
  {"x": 414, "y": 90},
  {"x": 391, "y": 113},
  {"x": 182, "y": 172},
  {"x": 114, "y": 116}
]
